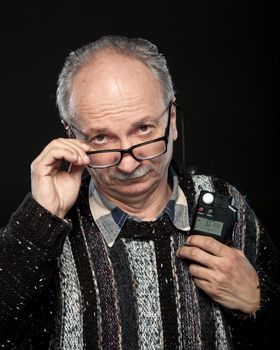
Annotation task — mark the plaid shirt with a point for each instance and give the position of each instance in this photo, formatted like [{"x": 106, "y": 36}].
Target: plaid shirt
[{"x": 110, "y": 219}]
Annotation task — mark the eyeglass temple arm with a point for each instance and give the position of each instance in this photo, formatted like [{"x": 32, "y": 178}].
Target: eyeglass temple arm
[
  {"x": 183, "y": 141},
  {"x": 67, "y": 128}
]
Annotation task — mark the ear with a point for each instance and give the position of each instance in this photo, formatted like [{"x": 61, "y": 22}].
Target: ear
[
  {"x": 67, "y": 131},
  {"x": 173, "y": 119}
]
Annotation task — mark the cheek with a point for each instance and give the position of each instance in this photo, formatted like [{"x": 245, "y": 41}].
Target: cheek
[
  {"x": 161, "y": 164},
  {"x": 100, "y": 176},
  {"x": 166, "y": 158}
]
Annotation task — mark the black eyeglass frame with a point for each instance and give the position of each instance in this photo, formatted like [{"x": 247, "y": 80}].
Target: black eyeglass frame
[{"x": 129, "y": 150}]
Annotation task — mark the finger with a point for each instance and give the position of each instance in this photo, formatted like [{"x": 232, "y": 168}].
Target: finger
[
  {"x": 204, "y": 285},
  {"x": 196, "y": 254},
  {"x": 53, "y": 147},
  {"x": 207, "y": 274},
  {"x": 199, "y": 271},
  {"x": 50, "y": 161},
  {"x": 76, "y": 146},
  {"x": 208, "y": 244}
]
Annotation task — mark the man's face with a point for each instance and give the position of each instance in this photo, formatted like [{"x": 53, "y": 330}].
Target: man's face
[{"x": 118, "y": 103}]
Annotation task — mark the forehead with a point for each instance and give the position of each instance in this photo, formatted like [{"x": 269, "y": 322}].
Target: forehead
[
  {"x": 119, "y": 125},
  {"x": 101, "y": 74},
  {"x": 114, "y": 85}
]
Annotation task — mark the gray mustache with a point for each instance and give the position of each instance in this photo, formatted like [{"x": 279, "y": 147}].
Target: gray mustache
[{"x": 139, "y": 172}]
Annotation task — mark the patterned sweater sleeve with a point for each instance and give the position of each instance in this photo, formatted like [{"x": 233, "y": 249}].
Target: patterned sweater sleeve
[{"x": 29, "y": 247}]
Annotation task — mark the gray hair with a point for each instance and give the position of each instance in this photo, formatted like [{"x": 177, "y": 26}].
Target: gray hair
[{"x": 138, "y": 48}]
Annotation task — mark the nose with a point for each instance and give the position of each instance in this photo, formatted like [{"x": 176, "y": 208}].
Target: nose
[{"x": 128, "y": 164}]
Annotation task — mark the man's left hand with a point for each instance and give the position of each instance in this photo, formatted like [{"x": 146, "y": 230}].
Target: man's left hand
[{"x": 223, "y": 272}]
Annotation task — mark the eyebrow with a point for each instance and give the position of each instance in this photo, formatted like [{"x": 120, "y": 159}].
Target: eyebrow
[
  {"x": 145, "y": 120},
  {"x": 92, "y": 130},
  {"x": 89, "y": 130}
]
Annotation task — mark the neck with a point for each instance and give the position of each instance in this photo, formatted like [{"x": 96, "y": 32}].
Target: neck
[{"x": 146, "y": 206}]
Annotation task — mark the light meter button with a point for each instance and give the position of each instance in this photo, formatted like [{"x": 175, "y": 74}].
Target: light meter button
[{"x": 208, "y": 198}]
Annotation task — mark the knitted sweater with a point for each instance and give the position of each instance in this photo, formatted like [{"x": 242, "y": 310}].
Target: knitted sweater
[{"x": 62, "y": 287}]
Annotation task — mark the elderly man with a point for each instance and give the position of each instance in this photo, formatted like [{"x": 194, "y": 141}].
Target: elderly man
[{"x": 106, "y": 260}]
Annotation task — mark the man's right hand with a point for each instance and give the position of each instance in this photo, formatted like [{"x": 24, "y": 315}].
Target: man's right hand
[{"x": 53, "y": 188}]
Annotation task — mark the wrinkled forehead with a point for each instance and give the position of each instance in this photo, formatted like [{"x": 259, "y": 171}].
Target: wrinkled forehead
[
  {"x": 110, "y": 82},
  {"x": 121, "y": 123}
]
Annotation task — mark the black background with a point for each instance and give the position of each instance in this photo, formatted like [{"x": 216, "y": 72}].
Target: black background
[{"x": 224, "y": 58}]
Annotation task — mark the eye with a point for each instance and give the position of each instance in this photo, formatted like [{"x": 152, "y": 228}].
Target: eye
[
  {"x": 100, "y": 138},
  {"x": 144, "y": 128}
]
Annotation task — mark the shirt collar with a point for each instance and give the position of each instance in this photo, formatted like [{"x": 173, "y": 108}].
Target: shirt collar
[{"x": 110, "y": 219}]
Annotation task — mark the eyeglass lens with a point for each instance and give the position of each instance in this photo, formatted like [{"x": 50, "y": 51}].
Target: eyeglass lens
[{"x": 141, "y": 152}]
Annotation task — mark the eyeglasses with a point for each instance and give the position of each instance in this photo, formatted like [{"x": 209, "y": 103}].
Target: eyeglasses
[{"x": 142, "y": 151}]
